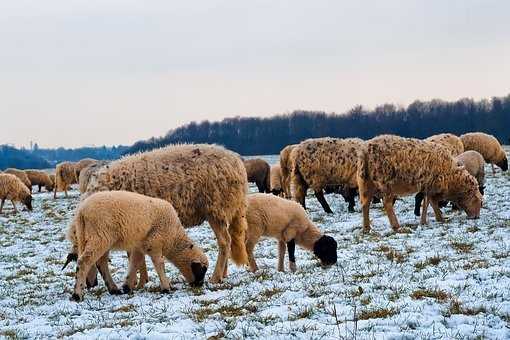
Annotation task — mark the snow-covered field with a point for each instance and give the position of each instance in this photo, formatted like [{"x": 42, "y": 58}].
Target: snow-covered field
[{"x": 444, "y": 280}]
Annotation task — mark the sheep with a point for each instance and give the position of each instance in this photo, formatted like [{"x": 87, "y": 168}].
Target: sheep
[
  {"x": 286, "y": 221},
  {"x": 65, "y": 175},
  {"x": 276, "y": 180},
  {"x": 258, "y": 172},
  {"x": 21, "y": 175},
  {"x": 122, "y": 220},
  {"x": 202, "y": 182},
  {"x": 286, "y": 166},
  {"x": 82, "y": 164},
  {"x": 13, "y": 189},
  {"x": 397, "y": 166},
  {"x": 488, "y": 146},
  {"x": 450, "y": 141},
  {"x": 40, "y": 179},
  {"x": 324, "y": 161},
  {"x": 87, "y": 172}
]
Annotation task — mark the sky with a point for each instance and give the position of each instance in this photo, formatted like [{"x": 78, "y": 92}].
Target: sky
[{"x": 95, "y": 72}]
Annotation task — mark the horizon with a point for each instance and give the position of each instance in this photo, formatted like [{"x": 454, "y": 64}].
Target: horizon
[{"x": 102, "y": 74}]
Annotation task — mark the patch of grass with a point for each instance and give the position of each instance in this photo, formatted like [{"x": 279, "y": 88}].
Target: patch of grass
[
  {"x": 381, "y": 313},
  {"x": 430, "y": 261},
  {"x": 476, "y": 264},
  {"x": 123, "y": 309},
  {"x": 225, "y": 311},
  {"x": 365, "y": 300},
  {"x": 269, "y": 293},
  {"x": 392, "y": 254},
  {"x": 420, "y": 294},
  {"x": 363, "y": 276},
  {"x": 304, "y": 313},
  {"x": 472, "y": 229},
  {"x": 456, "y": 307},
  {"x": 462, "y": 247}
]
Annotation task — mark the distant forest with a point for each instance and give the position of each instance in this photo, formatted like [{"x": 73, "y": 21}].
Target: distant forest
[
  {"x": 257, "y": 136},
  {"x": 39, "y": 158}
]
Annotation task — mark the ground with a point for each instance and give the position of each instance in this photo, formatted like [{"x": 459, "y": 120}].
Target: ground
[{"x": 443, "y": 280}]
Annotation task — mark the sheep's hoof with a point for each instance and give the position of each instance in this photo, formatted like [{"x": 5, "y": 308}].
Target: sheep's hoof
[
  {"x": 93, "y": 284},
  {"x": 115, "y": 291},
  {"x": 292, "y": 266},
  {"x": 76, "y": 297},
  {"x": 126, "y": 289},
  {"x": 215, "y": 280},
  {"x": 165, "y": 291}
]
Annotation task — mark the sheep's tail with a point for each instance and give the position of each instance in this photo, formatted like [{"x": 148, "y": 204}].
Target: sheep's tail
[
  {"x": 237, "y": 230},
  {"x": 75, "y": 236},
  {"x": 268, "y": 180},
  {"x": 363, "y": 165}
]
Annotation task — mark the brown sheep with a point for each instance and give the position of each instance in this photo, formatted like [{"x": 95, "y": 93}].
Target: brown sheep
[
  {"x": 40, "y": 179},
  {"x": 13, "y": 189},
  {"x": 87, "y": 172},
  {"x": 449, "y": 141},
  {"x": 488, "y": 146},
  {"x": 397, "y": 166},
  {"x": 321, "y": 162},
  {"x": 276, "y": 180},
  {"x": 82, "y": 164},
  {"x": 65, "y": 175},
  {"x": 21, "y": 175},
  {"x": 287, "y": 222},
  {"x": 202, "y": 182},
  {"x": 258, "y": 172},
  {"x": 121, "y": 220},
  {"x": 286, "y": 166}
]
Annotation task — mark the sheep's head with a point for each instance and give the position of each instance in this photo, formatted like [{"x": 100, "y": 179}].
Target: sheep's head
[
  {"x": 27, "y": 201},
  {"x": 468, "y": 197},
  {"x": 276, "y": 192},
  {"x": 325, "y": 250},
  {"x": 193, "y": 264},
  {"x": 503, "y": 164}
]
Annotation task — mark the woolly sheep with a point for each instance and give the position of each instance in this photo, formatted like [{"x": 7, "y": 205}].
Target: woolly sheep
[
  {"x": 488, "y": 146},
  {"x": 13, "y": 189},
  {"x": 397, "y": 166},
  {"x": 286, "y": 166},
  {"x": 276, "y": 180},
  {"x": 324, "y": 161},
  {"x": 87, "y": 172},
  {"x": 40, "y": 179},
  {"x": 450, "y": 141},
  {"x": 258, "y": 172},
  {"x": 21, "y": 175},
  {"x": 82, "y": 164},
  {"x": 202, "y": 182},
  {"x": 65, "y": 175},
  {"x": 286, "y": 221},
  {"x": 121, "y": 220}
]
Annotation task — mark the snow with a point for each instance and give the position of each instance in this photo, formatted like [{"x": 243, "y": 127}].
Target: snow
[{"x": 366, "y": 295}]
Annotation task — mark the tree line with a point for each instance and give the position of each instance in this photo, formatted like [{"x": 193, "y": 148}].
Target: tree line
[{"x": 257, "y": 136}]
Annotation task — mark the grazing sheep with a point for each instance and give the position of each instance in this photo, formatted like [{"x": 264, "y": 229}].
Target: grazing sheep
[
  {"x": 13, "y": 189},
  {"x": 488, "y": 146},
  {"x": 121, "y": 220},
  {"x": 449, "y": 141},
  {"x": 40, "y": 179},
  {"x": 21, "y": 175},
  {"x": 276, "y": 180},
  {"x": 286, "y": 166},
  {"x": 397, "y": 166},
  {"x": 258, "y": 172},
  {"x": 65, "y": 175},
  {"x": 287, "y": 222},
  {"x": 202, "y": 182},
  {"x": 324, "y": 161},
  {"x": 82, "y": 164},
  {"x": 87, "y": 172}
]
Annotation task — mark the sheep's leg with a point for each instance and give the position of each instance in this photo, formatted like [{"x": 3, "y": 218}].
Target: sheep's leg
[
  {"x": 291, "y": 248},
  {"x": 39, "y": 188},
  {"x": 87, "y": 259},
  {"x": 135, "y": 262},
  {"x": 300, "y": 190},
  {"x": 2, "y": 205},
  {"x": 65, "y": 190},
  {"x": 493, "y": 169},
  {"x": 388, "y": 206},
  {"x": 260, "y": 186},
  {"x": 102, "y": 266},
  {"x": 14, "y": 206},
  {"x": 320, "y": 197},
  {"x": 417, "y": 202},
  {"x": 351, "y": 194},
  {"x": 223, "y": 239},
  {"x": 437, "y": 211},
  {"x": 91, "y": 280},
  {"x": 159, "y": 265},
  {"x": 250, "y": 246},
  {"x": 144, "y": 275},
  {"x": 423, "y": 219},
  {"x": 281, "y": 255},
  {"x": 366, "y": 193}
]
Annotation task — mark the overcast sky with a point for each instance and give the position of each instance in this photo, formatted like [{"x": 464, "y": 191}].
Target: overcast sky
[{"x": 76, "y": 73}]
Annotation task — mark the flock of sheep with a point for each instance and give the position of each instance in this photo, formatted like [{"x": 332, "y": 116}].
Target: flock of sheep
[{"x": 143, "y": 203}]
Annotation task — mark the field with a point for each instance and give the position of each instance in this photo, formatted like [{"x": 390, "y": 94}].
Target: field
[{"x": 443, "y": 280}]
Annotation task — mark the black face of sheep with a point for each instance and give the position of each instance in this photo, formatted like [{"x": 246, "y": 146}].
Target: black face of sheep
[
  {"x": 199, "y": 271},
  {"x": 325, "y": 250},
  {"x": 503, "y": 164},
  {"x": 481, "y": 188},
  {"x": 276, "y": 192},
  {"x": 28, "y": 202}
]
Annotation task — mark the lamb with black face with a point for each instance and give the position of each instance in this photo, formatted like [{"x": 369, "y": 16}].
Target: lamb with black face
[
  {"x": 199, "y": 271},
  {"x": 325, "y": 250}
]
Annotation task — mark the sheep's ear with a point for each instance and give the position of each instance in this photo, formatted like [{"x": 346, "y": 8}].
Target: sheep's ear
[{"x": 191, "y": 246}]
